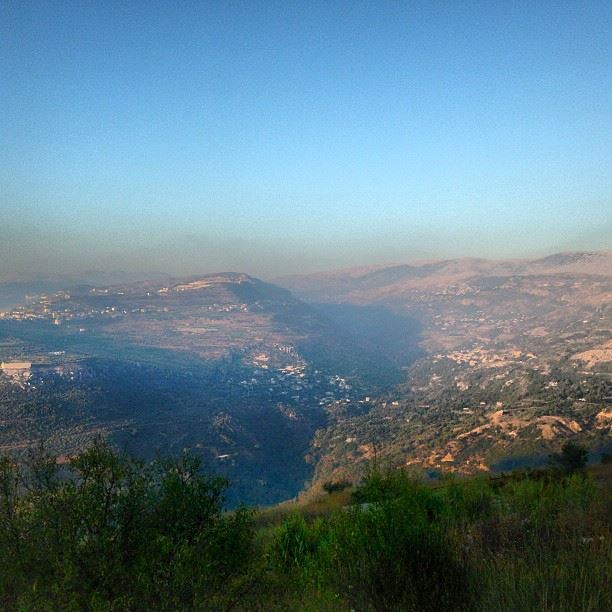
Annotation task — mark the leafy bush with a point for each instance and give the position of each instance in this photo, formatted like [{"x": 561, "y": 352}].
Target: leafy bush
[
  {"x": 392, "y": 557},
  {"x": 115, "y": 532},
  {"x": 296, "y": 542},
  {"x": 378, "y": 486},
  {"x": 468, "y": 500}
]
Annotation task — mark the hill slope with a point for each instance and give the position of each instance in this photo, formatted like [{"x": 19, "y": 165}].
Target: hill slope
[
  {"x": 229, "y": 366},
  {"x": 516, "y": 357}
]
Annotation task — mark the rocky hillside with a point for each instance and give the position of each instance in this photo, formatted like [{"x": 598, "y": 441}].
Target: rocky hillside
[{"x": 515, "y": 358}]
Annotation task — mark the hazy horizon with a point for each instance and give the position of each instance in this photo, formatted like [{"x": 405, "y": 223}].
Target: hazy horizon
[
  {"x": 277, "y": 138},
  {"x": 126, "y": 275}
]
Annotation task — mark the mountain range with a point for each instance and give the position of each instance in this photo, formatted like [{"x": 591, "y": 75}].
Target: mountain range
[{"x": 455, "y": 365}]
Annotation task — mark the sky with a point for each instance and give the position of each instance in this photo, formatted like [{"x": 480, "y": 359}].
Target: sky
[{"x": 284, "y": 137}]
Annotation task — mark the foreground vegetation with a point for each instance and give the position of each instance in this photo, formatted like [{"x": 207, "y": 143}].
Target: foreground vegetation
[{"x": 107, "y": 532}]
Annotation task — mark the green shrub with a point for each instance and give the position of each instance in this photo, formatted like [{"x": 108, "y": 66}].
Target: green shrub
[
  {"x": 296, "y": 542},
  {"x": 116, "y": 533},
  {"x": 468, "y": 499},
  {"x": 392, "y": 557},
  {"x": 378, "y": 486}
]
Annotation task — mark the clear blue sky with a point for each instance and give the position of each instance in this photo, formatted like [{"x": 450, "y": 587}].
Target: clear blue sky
[{"x": 275, "y": 137}]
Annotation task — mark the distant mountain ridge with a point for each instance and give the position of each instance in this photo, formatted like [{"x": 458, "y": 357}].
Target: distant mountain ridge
[
  {"x": 14, "y": 288},
  {"x": 366, "y": 283}
]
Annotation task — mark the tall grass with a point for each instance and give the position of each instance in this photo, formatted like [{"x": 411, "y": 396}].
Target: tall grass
[{"x": 530, "y": 542}]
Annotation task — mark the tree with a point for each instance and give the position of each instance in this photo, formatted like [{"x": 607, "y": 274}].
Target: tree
[
  {"x": 572, "y": 458},
  {"x": 112, "y": 532}
]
